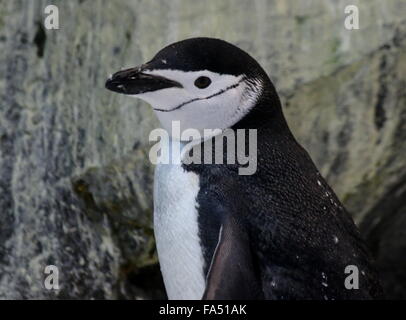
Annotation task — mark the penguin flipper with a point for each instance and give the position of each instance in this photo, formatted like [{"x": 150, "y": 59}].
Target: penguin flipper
[{"x": 231, "y": 274}]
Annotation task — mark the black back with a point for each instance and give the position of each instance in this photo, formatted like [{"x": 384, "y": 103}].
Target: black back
[{"x": 301, "y": 237}]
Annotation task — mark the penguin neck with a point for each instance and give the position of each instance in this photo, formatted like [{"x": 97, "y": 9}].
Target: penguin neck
[
  {"x": 266, "y": 116},
  {"x": 273, "y": 133}
]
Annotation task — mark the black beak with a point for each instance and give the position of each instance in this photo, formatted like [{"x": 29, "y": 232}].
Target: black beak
[{"x": 134, "y": 81}]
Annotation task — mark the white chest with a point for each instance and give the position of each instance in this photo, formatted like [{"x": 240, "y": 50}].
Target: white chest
[{"x": 176, "y": 231}]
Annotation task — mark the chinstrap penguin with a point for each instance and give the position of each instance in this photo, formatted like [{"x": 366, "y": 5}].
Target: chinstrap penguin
[{"x": 280, "y": 233}]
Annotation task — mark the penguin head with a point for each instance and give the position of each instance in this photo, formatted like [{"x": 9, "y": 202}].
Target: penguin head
[{"x": 203, "y": 83}]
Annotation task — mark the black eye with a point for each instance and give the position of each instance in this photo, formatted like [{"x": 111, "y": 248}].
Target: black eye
[{"x": 202, "y": 82}]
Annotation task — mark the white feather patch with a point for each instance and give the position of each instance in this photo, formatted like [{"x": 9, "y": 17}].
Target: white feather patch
[{"x": 176, "y": 231}]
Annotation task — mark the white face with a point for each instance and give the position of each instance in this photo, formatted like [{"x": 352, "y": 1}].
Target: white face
[{"x": 218, "y": 106}]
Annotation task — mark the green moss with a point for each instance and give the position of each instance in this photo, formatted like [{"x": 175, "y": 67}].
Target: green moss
[
  {"x": 148, "y": 256},
  {"x": 334, "y": 51},
  {"x": 301, "y": 19},
  {"x": 366, "y": 186},
  {"x": 3, "y": 14}
]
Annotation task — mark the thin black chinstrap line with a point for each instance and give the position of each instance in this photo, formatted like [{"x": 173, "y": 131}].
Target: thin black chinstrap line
[{"x": 235, "y": 85}]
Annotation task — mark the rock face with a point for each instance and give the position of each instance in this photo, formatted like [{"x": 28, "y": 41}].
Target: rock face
[{"x": 75, "y": 179}]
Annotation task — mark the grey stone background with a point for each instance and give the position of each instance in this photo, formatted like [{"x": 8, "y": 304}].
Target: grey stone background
[{"x": 75, "y": 180}]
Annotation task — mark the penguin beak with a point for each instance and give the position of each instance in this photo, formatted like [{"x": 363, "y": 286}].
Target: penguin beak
[{"x": 133, "y": 81}]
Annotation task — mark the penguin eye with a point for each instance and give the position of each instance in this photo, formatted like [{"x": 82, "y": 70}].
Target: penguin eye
[{"x": 202, "y": 82}]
